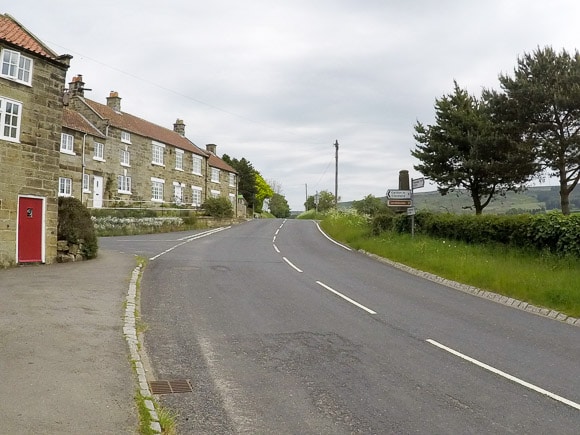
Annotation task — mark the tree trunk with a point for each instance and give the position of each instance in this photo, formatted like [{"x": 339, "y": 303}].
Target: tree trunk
[{"x": 564, "y": 198}]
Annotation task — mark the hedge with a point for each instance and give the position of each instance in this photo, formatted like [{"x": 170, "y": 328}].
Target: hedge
[{"x": 552, "y": 231}]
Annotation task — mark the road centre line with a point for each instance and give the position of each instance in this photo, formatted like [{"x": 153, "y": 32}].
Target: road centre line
[
  {"x": 333, "y": 241},
  {"x": 276, "y": 248},
  {"x": 189, "y": 239},
  {"x": 346, "y": 298},
  {"x": 506, "y": 375},
  {"x": 291, "y": 265}
]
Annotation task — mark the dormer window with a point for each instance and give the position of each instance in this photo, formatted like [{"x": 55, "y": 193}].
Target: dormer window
[
  {"x": 16, "y": 67},
  {"x": 125, "y": 137}
]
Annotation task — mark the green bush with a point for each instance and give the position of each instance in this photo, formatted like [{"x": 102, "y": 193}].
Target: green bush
[
  {"x": 552, "y": 232},
  {"x": 75, "y": 226},
  {"x": 220, "y": 207}
]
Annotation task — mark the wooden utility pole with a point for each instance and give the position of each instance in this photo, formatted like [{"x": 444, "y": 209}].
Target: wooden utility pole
[{"x": 336, "y": 176}]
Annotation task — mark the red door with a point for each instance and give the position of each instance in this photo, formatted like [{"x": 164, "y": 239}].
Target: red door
[{"x": 30, "y": 219}]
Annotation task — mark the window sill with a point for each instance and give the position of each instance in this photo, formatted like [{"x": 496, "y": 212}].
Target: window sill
[
  {"x": 125, "y": 165},
  {"x": 158, "y": 164},
  {"x": 124, "y": 192},
  {"x": 70, "y": 153},
  {"x": 98, "y": 159}
]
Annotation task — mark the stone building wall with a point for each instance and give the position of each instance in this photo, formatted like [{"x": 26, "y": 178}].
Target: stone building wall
[{"x": 30, "y": 167}]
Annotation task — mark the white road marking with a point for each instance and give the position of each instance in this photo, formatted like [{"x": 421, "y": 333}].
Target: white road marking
[
  {"x": 276, "y": 248},
  {"x": 346, "y": 298},
  {"x": 291, "y": 265},
  {"x": 506, "y": 375},
  {"x": 189, "y": 239},
  {"x": 333, "y": 241},
  {"x": 277, "y": 231}
]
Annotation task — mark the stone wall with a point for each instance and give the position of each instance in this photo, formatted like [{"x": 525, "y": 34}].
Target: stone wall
[{"x": 31, "y": 166}]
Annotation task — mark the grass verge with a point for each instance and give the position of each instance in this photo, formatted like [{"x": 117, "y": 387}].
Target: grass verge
[{"x": 538, "y": 278}]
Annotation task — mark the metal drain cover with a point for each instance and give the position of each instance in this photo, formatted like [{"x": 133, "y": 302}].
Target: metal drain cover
[{"x": 171, "y": 387}]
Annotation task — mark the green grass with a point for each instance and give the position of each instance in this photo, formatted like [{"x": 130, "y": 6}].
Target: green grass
[{"x": 535, "y": 277}]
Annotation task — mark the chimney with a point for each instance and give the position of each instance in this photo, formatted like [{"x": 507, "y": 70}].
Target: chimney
[
  {"x": 77, "y": 86},
  {"x": 114, "y": 101},
  {"x": 179, "y": 127},
  {"x": 210, "y": 147}
]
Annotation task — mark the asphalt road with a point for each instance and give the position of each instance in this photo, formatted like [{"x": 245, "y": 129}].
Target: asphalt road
[{"x": 282, "y": 331}]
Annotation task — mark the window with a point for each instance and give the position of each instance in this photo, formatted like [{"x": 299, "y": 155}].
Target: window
[
  {"x": 99, "y": 153},
  {"x": 215, "y": 193},
  {"x": 64, "y": 186},
  {"x": 157, "y": 157},
  {"x": 215, "y": 175},
  {"x": 125, "y": 157},
  {"x": 86, "y": 181},
  {"x": 196, "y": 196},
  {"x": 233, "y": 200},
  {"x": 67, "y": 143},
  {"x": 178, "y": 193},
  {"x": 179, "y": 160},
  {"x": 124, "y": 183},
  {"x": 125, "y": 137},
  {"x": 197, "y": 165},
  {"x": 10, "y": 116},
  {"x": 157, "y": 189},
  {"x": 16, "y": 67},
  {"x": 232, "y": 179}
]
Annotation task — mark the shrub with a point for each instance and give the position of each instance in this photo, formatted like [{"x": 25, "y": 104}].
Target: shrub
[
  {"x": 75, "y": 226},
  {"x": 220, "y": 207}
]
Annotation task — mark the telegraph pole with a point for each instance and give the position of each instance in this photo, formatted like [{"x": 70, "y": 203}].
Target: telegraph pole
[{"x": 336, "y": 176}]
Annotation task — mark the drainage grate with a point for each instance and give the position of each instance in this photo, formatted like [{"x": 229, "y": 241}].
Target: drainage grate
[{"x": 171, "y": 387}]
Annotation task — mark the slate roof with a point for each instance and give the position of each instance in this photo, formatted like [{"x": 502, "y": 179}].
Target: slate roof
[
  {"x": 75, "y": 121},
  {"x": 15, "y": 33},
  {"x": 136, "y": 125}
]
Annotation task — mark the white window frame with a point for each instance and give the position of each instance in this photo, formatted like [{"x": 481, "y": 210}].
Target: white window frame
[
  {"x": 215, "y": 175},
  {"x": 16, "y": 67},
  {"x": 179, "y": 159},
  {"x": 124, "y": 183},
  {"x": 125, "y": 137},
  {"x": 125, "y": 157},
  {"x": 67, "y": 144},
  {"x": 232, "y": 199},
  {"x": 157, "y": 151},
  {"x": 196, "y": 196},
  {"x": 64, "y": 186},
  {"x": 215, "y": 193},
  {"x": 196, "y": 164},
  {"x": 157, "y": 189},
  {"x": 99, "y": 151},
  {"x": 178, "y": 192},
  {"x": 86, "y": 183},
  {"x": 10, "y": 119},
  {"x": 232, "y": 179}
]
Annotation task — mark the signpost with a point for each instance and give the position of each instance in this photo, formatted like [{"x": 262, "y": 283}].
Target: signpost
[
  {"x": 399, "y": 202},
  {"x": 399, "y": 194},
  {"x": 404, "y": 198}
]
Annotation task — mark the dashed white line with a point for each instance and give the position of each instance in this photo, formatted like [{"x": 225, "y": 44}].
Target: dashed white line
[
  {"x": 276, "y": 248},
  {"x": 291, "y": 265},
  {"x": 346, "y": 298},
  {"x": 505, "y": 375}
]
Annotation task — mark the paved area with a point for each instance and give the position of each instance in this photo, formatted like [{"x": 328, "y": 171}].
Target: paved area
[{"x": 64, "y": 362}]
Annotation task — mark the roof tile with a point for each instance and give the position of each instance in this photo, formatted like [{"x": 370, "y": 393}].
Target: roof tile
[{"x": 15, "y": 33}]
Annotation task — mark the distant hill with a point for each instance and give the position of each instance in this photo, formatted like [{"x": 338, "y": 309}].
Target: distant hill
[{"x": 532, "y": 200}]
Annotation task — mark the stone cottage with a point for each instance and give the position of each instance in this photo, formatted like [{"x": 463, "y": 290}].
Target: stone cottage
[
  {"x": 32, "y": 82},
  {"x": 113, "y": 158}
]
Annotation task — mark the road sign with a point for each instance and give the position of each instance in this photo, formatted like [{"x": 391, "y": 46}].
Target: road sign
[
  {"x": 398, "y": 194},
  {"x": 411, "y": 211},
  {"x": 399, "y": 202},
  {"x": 418, "y": 182}
]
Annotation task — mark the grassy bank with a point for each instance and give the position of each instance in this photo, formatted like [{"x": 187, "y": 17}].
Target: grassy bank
[{"x": 538, "y": 278}]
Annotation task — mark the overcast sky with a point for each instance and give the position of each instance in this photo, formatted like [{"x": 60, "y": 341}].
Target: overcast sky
[{"x": 278, "y": 81}]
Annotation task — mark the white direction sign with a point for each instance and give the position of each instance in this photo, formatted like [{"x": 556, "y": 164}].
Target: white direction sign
[
  {"x": 398, "y": 194},
  {"x": 417, "y": 183}
]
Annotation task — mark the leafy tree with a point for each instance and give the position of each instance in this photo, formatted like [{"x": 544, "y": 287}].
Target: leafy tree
[
  {"x": 325, "y": 201},
  {"x": 545, "y": 95},
  {"x": 369, "y": 205},
  {"x": 472, "y": 146},
  {"x": 246, "y": 178},
  {"x": 263, "y": 191},
  {"x": 279, "y": 206}
]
